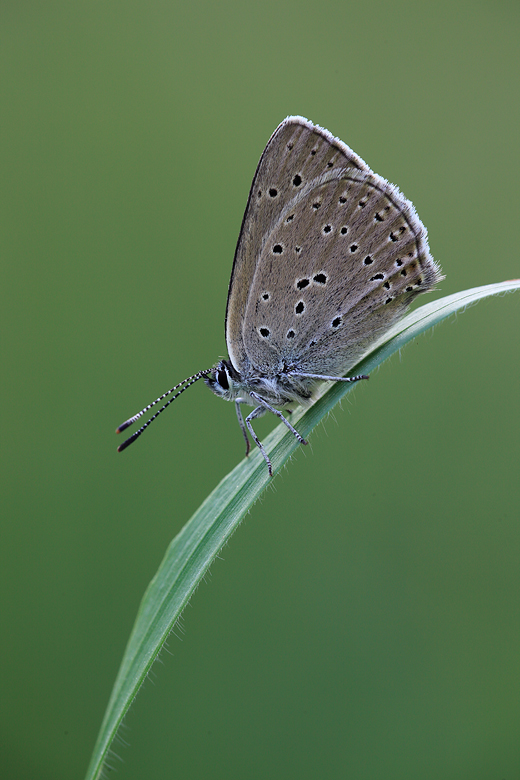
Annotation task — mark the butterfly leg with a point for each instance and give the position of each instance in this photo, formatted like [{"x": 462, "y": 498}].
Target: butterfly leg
[
  {"x": 329, "y": 378},
  {"x": 278, "y": 413},
  {"x": 240, "y": 416},
  {"x": 258, "y": 412}
]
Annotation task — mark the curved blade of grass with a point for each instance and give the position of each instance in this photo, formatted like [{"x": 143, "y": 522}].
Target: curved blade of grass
[{"x": 191, "y": 552}]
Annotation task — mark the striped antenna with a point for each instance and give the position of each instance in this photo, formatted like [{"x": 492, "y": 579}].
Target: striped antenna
[{"x": 131, "y": 420}]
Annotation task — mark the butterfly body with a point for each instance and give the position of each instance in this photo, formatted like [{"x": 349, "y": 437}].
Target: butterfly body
[{"x": 280, "y": 389}]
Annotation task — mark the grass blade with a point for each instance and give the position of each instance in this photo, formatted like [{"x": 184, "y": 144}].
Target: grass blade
[{"x": 192, "y": 551}]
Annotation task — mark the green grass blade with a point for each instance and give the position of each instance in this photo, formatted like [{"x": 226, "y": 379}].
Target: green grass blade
[{"x": 192, "y": 551}]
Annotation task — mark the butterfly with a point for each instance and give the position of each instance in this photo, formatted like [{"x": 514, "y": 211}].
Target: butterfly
[{"x": 328, "y": 257}]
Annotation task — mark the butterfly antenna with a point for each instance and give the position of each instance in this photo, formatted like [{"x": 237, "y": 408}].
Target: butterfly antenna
[{"x": 131, "y": 420}]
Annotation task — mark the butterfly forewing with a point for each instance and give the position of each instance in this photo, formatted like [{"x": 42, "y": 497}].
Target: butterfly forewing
[{"x": 297, "y": 154}]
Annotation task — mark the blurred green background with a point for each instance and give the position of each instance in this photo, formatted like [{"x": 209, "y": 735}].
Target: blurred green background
[{"x": 363, "y": 622}]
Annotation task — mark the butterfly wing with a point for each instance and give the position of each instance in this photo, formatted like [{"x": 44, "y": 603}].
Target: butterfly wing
[{"x": 329, "y": 256}]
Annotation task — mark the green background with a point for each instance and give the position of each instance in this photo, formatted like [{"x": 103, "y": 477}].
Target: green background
[{"x": 363, "y": 622}]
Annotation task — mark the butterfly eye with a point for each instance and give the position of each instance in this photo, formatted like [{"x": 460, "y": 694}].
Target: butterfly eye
[{"x": 223, "y": 380}]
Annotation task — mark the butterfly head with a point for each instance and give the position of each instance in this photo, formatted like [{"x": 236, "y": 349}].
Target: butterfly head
[{"x": 224, "y": 380}]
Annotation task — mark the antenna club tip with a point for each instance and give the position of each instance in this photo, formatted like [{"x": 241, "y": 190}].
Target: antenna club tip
[{"x": 126, "y": 424}]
